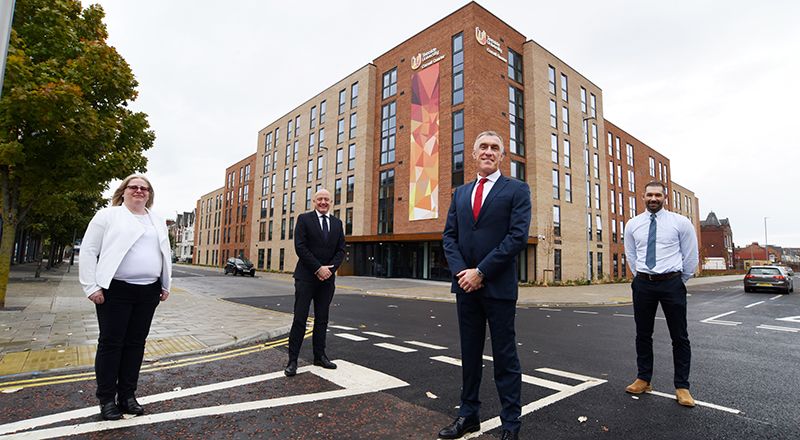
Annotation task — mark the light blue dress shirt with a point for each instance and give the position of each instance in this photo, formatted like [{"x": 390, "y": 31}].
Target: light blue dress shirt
[{"x": 676, "y": 244}]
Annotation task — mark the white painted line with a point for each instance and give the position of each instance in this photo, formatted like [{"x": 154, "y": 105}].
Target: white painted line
[
  {"x": 399, "y": 348},
  {"x": 447, "y": 360},
  {"x": 422, "y": 344},
  {"x": 583, "y": 311},
  {"x": 351, "y": 337},
  {"x": 549, "y": 309},
  {"x": 753, "y": 305},
  {"x": 544, "y": 383},
  {"x": 341, "y": 327},
  {"x": 624, "y": 316},
  {"x": 488, "y": 358},
  {"x": 712, "y": 320},
  {"x": 380, "y": 335},
  {"x": 775, "y": 297},
  {"x": 566, "y": 374},
  {"x": 353, "y": 379},
  {"x": 697, "y": 402},
  {"x": 775, "y": 327},
  {"x": 789, "y": 319}
]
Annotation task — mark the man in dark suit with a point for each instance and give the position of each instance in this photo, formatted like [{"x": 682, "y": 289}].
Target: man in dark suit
[
  {"x": 319, "y": 244},
  {"x": 487, "y": 227}
]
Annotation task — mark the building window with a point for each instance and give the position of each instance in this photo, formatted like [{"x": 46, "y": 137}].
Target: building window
[
  {"x": 267, "y": 160},
  {"x": 622, "y": 265},
  {"x": 268, "y": 142},
  {"x": 271, "y": 206},
  {"x": 351, "y": 183},
  {"x": 388, "y": 130},
  {"x": 596, "y": 163},
  {"x": 294, "y": 176},
  {"x": 265, "y": 186},
  {"x": 565, "y": 119},
  {"x": 458, "y": 149},
  {"x": 554, "y": 147},
  {"x": 593, "y": 103},
  {"x": 283, "y": 229},
  {"x": 351, "y": 157},
  {"x": 320, "y": 167},
  {"x": 339, "y": 158},
  {"x": 600, "y": 265},
  {"x": 340, "y": 132},
  {"x": 613, "y": 202},
  {"x": 589, "y": 225},
  {"x": 313, "y": 119},
  {"x": 616, "y": 265},
  {"x": 621, "y": 204},
  {"x": 269, "y": 231},
  {"x": 310, "y": 172},
  {"x": 289, "y": 130},
  {"x": 291, "y": 228},
  {"x": 322, "y": 106},
  {"x": 264, "y": 208},
  {"x": 277, "y": 136},
  {"x": 619, "y": 176},
  {"x": 308, "y": 198},
  {"x": 564, "y": 94},
  {"x": 551, "y": 76},
  {"x": 390, "y": 83},
  {"x": 386, "y": 202},
  {"x": 557, "y": 221},
  {"x": 631, "y": 207},
  {"x": 566, "y": 154},
  {"x": 555, "y": 185},
  {"x": 517, "y": 170},
  {"x": 567, "y": 188},
  {"x": 556, "y": 264},
  {"x": 594, "y": 135},
  {"x": 458, "y": 69},
  {"x": 297, "y": 126},
  {"x": 275, "y": 159},
  {"x": 583, "y": 100},
  {"x": 631, "y": 181},
  {"x": 342, "y": 101},
  {"x": 599, "y": 228},
  {"x": 321, "y": 138},
  {"x": 353, "y": 125},
  {"x": 312, "y": 144},
  {"x": 652, "y": 167},
  {"x": 288, "y": 154},
  {"x": 516, "y": 142},
  {"x": 260, "y": 258},
  {"x": 614, "y": 232},
  {"x": 348, "y": 221},
  {"x": 354, "y": 96},
  {"x": 553, "y": 114},
  {"x": 515, "y": 66},
  {"x": 337, "y": 192},
  {"x": 280, "y": 261},
  {"x": 285, "y": 204},
  {"x": 291, "y": 207},
  {"x": 246, "y": 195},
  {"x": 630, "y": 154}
]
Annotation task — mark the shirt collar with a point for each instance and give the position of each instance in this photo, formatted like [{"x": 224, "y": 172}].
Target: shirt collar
[
  {"x": 319, "y": 214},
  {"x": 492, "y": 177}
]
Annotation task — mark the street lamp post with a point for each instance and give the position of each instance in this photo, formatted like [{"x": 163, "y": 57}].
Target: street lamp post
[{"x": 588, "y": 199}]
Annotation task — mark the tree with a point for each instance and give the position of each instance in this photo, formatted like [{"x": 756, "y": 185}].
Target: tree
[{"x": 64, "y": 123}]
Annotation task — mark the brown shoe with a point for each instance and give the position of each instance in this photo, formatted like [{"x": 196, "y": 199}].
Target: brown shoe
[
  {"x": 684, "y": 398},
  {"x": 639, "y": 387}
]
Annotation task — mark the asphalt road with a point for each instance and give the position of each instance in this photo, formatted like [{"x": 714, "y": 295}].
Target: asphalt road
[{"x": 399, "y": 375}]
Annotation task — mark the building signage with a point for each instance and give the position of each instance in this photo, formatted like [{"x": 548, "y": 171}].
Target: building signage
[
  {"x": 418, "y": 60},
  {"x": 494, "y": 47}
]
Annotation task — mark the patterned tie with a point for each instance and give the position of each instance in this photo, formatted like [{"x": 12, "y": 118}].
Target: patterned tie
[
  {"x": 476, "y": 206},
  {"x": 325, "y": 227},
  {"x": 650, "y": 259}
]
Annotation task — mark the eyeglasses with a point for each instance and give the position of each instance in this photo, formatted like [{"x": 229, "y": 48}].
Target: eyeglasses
[{"x": 138, "y": 188}]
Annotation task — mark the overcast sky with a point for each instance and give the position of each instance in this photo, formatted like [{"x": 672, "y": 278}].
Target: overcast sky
[{"x": 712, "y": 85}]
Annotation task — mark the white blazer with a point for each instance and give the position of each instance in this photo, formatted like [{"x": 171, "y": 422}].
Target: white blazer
[{"x": 108, "y": 238}]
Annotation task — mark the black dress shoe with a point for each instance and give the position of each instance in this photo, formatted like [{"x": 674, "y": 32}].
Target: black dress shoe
[
  {"x": 510, "y": 435},
  {"x": 324, "y": 362},
  {"x": 129, "y": 405},
  {"x": 109, "y": 411},
  {"x": 291, "y": 369},
  {"x": 459, "y": 427}
]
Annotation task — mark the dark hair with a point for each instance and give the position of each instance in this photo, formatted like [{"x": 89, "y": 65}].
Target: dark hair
[{"x": 657, "y": 183}]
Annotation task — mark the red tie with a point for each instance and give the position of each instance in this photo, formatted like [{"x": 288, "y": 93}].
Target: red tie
[{"x": 476, "y": 207}]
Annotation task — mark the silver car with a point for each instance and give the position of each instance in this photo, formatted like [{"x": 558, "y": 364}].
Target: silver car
[{"x": 768, "y": 277}]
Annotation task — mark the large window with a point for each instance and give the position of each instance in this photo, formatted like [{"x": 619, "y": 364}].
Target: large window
[
  {"x": 353, "y": 125},
  {"x": 339, "y": 159},
  {"x": 554, "y": 147},
  {"x": 388, "y": 130},
  {"x": 342, "y": 100},
  {"x": 516, "y": 142},
  {"x": 340, "y": 132},
  {"x": 557, "y": 221},
  {"x": 553, "y": 114},
  {"x": 567, "y": 188},
  {"x": 354, "y": 95},
  {"x": 390, "y": 83},
  {"x": 564, "y": 94},
  {"x": 652, "y": 167},
  {"x": 458, "y": 149},
  {"x": 313, "y": 118},
  {"x": 337, "y": 192},
  {"x": 517, "y": 170},
  {"x": 458, "y": 69},
  {"x": 583, "y": 100},
  {"x": 556, "y": 264},
  {"x": 268, "y": 142},
  {"x": 386, "y": 202},
  {"x": 556, "y": 192},
  {"x": 515, "y": 66},
  {"x": 551, "y": 77},
  {"x": 630, "y": 154},
  {"x": 565, "y": 119},
  {"x": 348, "y": 221},
  {"x": 351, "y": 157},
  {"x": 351, "y": 188},
  {"x": 567, "y": 155},
  {"x": 322, "y": 106}
]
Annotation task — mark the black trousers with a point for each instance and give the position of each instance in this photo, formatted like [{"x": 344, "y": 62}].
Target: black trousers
[
  {"x": 474, "y": 312},
  {"x": 671, "y": 294},
  {"x": 304, "y": 292},
  {"x": 124, "y": 318}
]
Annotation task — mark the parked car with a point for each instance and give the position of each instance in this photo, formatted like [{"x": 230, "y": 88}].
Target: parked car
[
  {"x": 240, "y": 266},
  {"x": 768, "y": 277},
  {"x": 788, "y": 270}
]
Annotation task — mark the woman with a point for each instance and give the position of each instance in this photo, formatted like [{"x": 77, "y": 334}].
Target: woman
[{"x": 125, "y": 269}]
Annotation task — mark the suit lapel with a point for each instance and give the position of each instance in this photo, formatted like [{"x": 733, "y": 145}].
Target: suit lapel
[
  {"x": 468, "y": 199},
  {"x": 496, "y": 188}
]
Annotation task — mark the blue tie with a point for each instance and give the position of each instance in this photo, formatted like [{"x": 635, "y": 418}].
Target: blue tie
[
  {"x": 325, "y": 227},
  {"x": 650, "y": 260}
]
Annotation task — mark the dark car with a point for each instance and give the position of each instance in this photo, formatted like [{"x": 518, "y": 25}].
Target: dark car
[
  {"x": 767, "y": 277},
  {"x": 240, "y": 266}
]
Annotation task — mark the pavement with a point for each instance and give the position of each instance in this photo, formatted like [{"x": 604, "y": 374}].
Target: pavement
[{"x": 49, "y": 324}]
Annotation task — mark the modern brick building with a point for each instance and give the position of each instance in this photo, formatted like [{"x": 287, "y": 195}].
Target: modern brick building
[
  {"x": 208, "y": 225},
  {"x": 237, "y": 220},
  {"x": 392, "y": 140}
]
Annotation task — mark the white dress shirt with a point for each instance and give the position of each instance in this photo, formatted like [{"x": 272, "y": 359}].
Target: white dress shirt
[
  {"x": 487, "y": 186},
  {"x": 676, "y": 244}
]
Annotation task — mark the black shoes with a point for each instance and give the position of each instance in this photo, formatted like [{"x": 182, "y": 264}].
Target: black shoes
[
  {"x": 109, "y": 411},
  {"x": 291, "y": 369},
  {"x": 130, "y": 406},
  {"x": 324, "y": 362},
  {"x": 510, "y": 435},
  {"x": 459, "y": 427}
]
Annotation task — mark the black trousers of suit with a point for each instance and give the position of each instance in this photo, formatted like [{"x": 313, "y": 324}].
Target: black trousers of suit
[
  {"x": 124, "y": 319},
  {"x": 304, "y": 292},
  {"x": 474, "y": 311},
  {"x": 671, "y": 294}
]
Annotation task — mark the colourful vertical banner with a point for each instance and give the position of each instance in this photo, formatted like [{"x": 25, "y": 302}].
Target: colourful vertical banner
[{"x": 424, "y": 179}]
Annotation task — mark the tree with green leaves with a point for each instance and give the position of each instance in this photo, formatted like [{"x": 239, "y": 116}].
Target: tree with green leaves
[{"x": 65, "y": 127}]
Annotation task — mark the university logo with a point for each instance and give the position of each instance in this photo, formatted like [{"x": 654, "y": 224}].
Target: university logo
[
  {"x": 416, "y": 61},
  {"x": 480, "y": 36}
]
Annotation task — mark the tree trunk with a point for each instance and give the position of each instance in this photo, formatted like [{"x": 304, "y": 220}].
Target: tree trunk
[
  {"x": 6, "y": 246},
  {"x": 39, "y": 258}
]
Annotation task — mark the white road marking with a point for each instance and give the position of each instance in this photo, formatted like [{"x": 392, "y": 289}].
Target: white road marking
[
  {"x": 549, "y": 309},
  {"x": 341, "y": 327},
  {"x": 713, "y": 319},
  {"x": 697, "y": 402},
  {"x": 789, "y": 319},
  {"x": 583, "y": 311},
  {"x": 632, "y": 316},
  {"x": 422, "y": 344},
  {"x": 447, "y": 360},
  {"x": 775, "y": 327},
  {"x": 753, "y": 305},
  {"x": 351, "y": 337},
  {"x": 394, "y": 347},
  {"x": 352, "y": 378},
  {"x": 566, "y": 374},
  {"x": 775, "y": 297},
  {"x": 380, "y": 335}
]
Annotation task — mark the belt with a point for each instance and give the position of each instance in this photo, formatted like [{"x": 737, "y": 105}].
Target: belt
[{"x": 657, "y": 277}]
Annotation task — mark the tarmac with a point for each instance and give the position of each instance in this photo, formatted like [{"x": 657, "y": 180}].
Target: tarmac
[{"x": 48, "y": 324}]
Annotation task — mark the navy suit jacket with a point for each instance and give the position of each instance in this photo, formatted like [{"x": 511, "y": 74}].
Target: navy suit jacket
[
  {"x": 493, "y": 241},
  {"x": 313, "y": 251}
]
